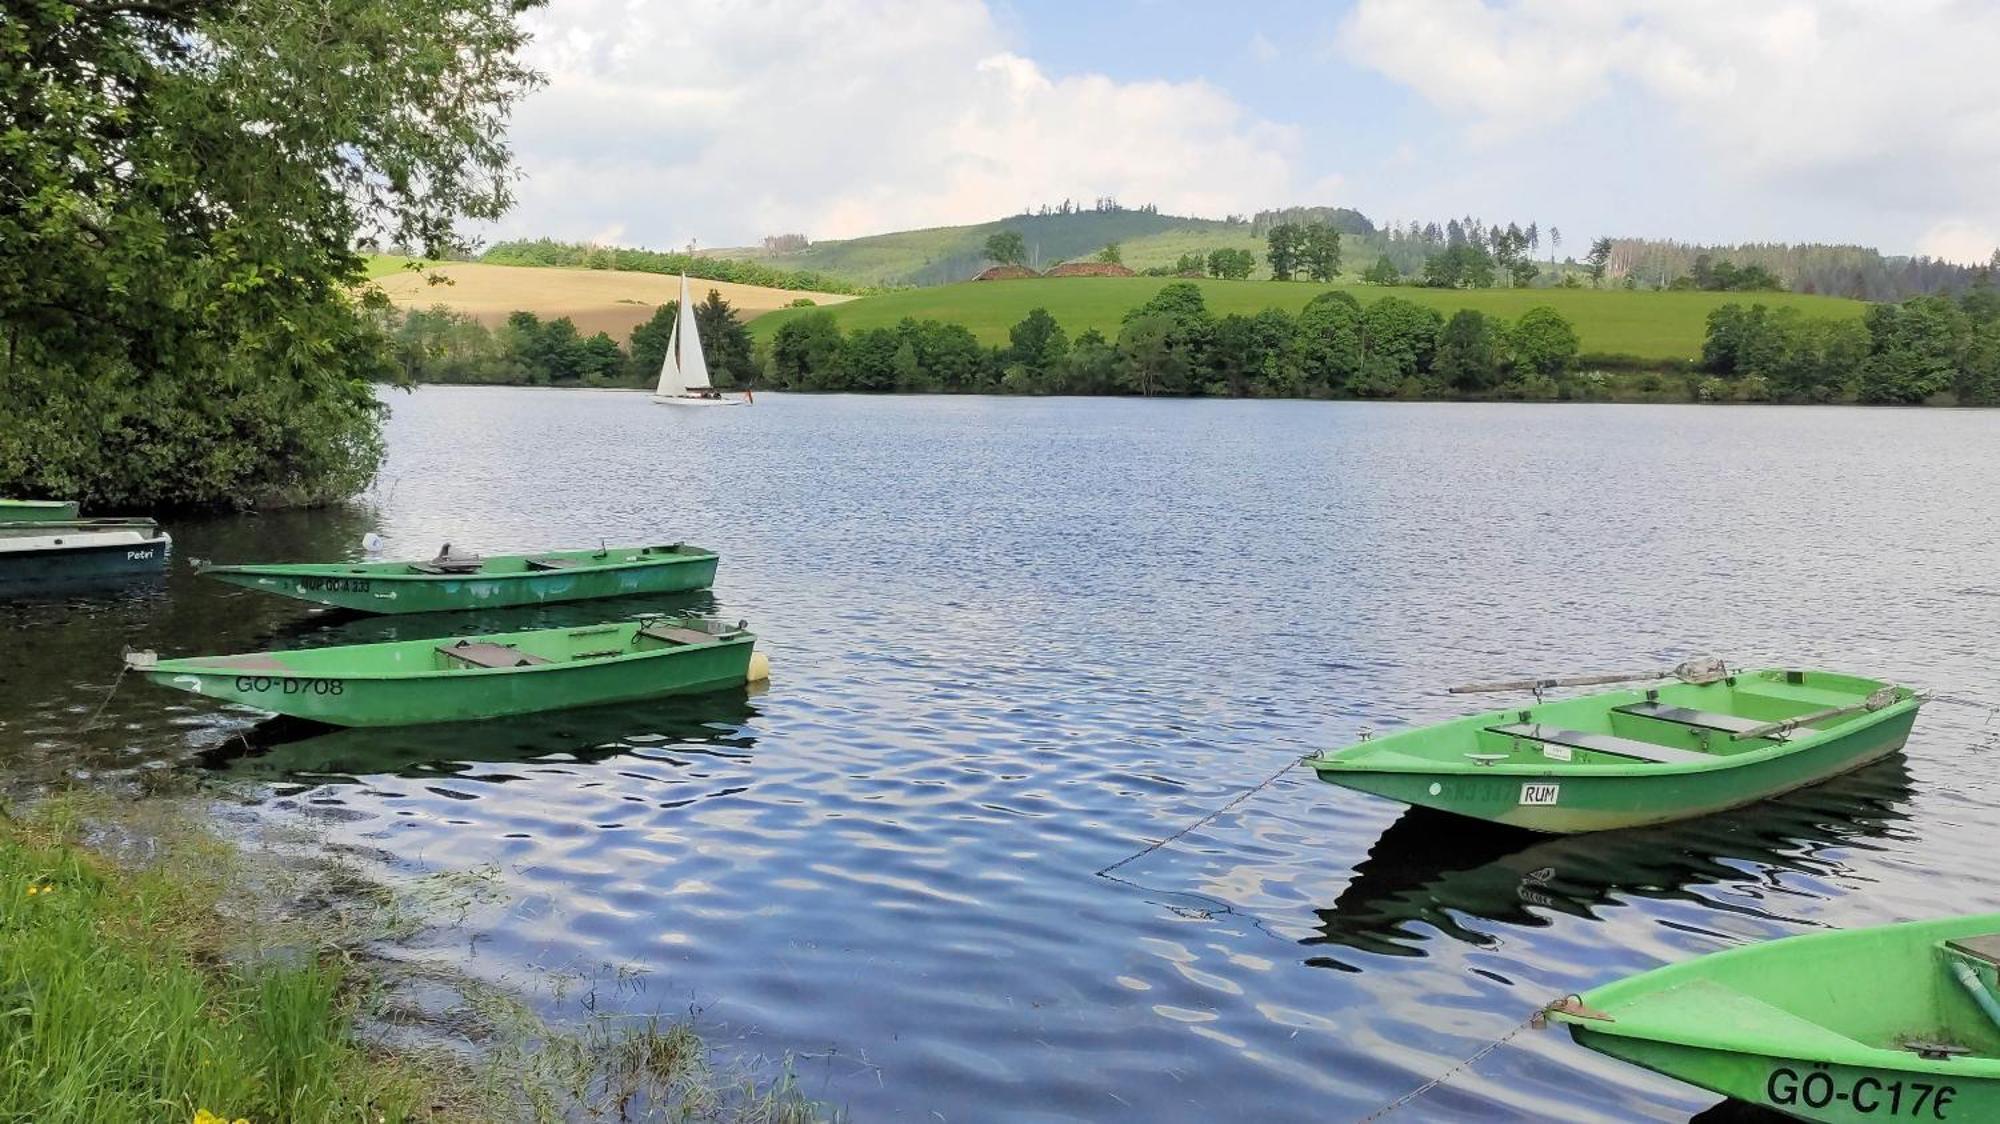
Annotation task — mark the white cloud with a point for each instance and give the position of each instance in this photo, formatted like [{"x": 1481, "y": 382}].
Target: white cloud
[
  {"x": 1879, "y": 107},
  {"x": 1968, "y": 243},
  {"x": 728, "y": 120}
]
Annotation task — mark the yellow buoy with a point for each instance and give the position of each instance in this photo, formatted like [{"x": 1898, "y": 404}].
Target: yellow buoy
[{"x": 760, "y": 668}]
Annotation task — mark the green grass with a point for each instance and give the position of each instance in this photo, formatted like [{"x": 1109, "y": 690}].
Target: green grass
[
  {"x": 1647, "y": 325},
  {"x": 382, "y": 265},
  {"x": 122, "y": 999}
]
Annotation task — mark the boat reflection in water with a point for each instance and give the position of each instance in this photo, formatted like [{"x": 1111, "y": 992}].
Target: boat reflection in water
[
  {"x": 293, "y": 752},
  {"x": 1430, "y": 869}
]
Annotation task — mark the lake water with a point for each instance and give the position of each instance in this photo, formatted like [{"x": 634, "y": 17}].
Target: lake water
[{"x": 1015, "y": 641}]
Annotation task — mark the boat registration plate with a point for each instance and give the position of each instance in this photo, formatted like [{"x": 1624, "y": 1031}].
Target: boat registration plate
[{"x": 1543, "y": 793}]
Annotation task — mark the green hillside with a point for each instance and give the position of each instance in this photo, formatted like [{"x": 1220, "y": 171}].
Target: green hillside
[
  {"x": 1649, "y": 325},
  {"x": 945, "y": 254}
]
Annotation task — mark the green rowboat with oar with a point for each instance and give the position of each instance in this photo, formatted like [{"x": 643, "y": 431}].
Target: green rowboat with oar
[
  {"x": 410, "y": 682},
  {"x": 1899, "y": 1022},
  {"x": 1714, "y": 740},
  {"x": 455, "y": 582}
]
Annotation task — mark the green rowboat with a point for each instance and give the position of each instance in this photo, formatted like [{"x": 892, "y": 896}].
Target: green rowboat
[
  {"x": 411, "y": 682},
  {"x": 455, "y": 582},
  {"x": 1627, "y": 758},
  {"x": 1900, "y": 1022},
  {"x": 37, "y": 511}
]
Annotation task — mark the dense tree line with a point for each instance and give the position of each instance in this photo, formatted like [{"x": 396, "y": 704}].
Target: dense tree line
[
  {"x": 1843, "y": 271},
  {"x": 1902, "y": 354},
  {"x": 579, "y": 255},
  {"x": 1173, "y": 345},
  {"x": 438, "y": 345},
  {"x": 182, "y": 188}
]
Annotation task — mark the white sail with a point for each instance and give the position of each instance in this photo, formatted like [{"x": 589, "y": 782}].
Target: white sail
[
  {"x": 685, "y": 368},
  {"x": 670, "y": 370},
  {"x": 694, "y": 365}
]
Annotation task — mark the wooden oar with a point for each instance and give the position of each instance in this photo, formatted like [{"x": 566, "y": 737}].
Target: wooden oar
[
  {"x": 1703, "y": 670},
  {"x": 1876, "y": 701}
]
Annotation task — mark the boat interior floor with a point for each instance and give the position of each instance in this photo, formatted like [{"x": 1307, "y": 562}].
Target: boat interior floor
[{"x": 1602, "y": 743}]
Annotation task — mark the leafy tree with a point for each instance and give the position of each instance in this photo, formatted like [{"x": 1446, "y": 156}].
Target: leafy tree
[
  {"x": 1383, "y": 272},
  {"x": 182, "y": 187},
  {"x": 1598, "y": 259},
  {"x": 1111, "y": 253},
  {"x": 1330, "y": 339},
  {"x": 867, "y": 361},
  {"x": 649, "y": 341},
  {"x": 1275, "y": 358},
  {"x": 1037, "y": 342},
  {"x": 601, "y": 359},
  {"x": 1544, "y": 342},
  {"x": 805, "y": 352},
  {"x": 1462, "y": 265},
  {"x": 1471, "y": 352},
  {"x": 1915, "y": 350},
  {"x": 1319, "y": 251},
  {"x": 725, "y": 342},
  {"x": 1152, "y": 357},
  {"x": 1007, "y": 247},
  {"x": 1522, "y": 272},
  {"x": 1283, "y": 249},
  {"x": 1399, "y": 338},
  {"x": 1181, "y": 302},
  {"x": 1231, "y": 263},
  {"x": 1091, "y": 366}
]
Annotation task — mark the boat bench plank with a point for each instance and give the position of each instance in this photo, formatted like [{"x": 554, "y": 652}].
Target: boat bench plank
[
  {"x": 1983, "y": 947},
  {"x": 552, "y": 563},
  {"x": 1688, "y": 716},
  {"x": 490, "y": 655},
  {"x": 1602, "y": 743},
  {"x": 677, "y": 635}
]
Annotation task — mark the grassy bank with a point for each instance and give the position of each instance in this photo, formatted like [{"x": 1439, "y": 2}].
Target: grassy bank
[
  {"x": 150, "y": 971},
  {"x": 1641, "y": 325},
  {"x": 127, "y": 997}
]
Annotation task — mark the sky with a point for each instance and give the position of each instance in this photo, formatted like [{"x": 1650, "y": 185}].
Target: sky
[{"x": 1714, "y": 121}]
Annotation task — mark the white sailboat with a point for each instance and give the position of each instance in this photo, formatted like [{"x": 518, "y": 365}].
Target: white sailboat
[{"x": 684, "y": 373}]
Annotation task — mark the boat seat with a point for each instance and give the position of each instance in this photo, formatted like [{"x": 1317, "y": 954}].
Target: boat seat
[
  {"x": 480, "y": 654},
  {"x": 1985, "y": 947},
  {"x": 449, "y": 566},
  {"x": 1688, "y": 716},
  {"x": 552, "y": 563},
  {"x": 1602, "y": 743},
  {"x": 677, "y": 635}
]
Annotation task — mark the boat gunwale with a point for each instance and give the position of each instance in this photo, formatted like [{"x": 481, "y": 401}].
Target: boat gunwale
[
  {"x": 185, "y": 664},
  {"x": 348, "y": 569},
  {"x": 1851, "y": 1052},
  {"x": 1328, "y": 762}
]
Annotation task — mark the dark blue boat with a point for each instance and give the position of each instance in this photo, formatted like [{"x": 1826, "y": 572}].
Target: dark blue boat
[{"x": 81, "y": 549}]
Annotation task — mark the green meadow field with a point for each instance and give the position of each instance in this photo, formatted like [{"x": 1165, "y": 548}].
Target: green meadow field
[{"x": 1646, "y": 325}]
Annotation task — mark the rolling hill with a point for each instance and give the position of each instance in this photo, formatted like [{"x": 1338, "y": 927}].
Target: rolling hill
[
  {"x": 1647, "y": 325},
  {"x": 598, "y": 300},
  {"x": 946, "y": 254}
]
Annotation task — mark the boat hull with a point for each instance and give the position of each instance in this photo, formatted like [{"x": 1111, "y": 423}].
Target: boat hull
[
  {"x": 1603, "y": 803},
  {"x": 84, "y": 556},
  {"x": 1819, "y": 1027},
  {"x": 373, "y": 591},
  {"x": 690, "y": 400},
  {"x": 372, "y": 697}
]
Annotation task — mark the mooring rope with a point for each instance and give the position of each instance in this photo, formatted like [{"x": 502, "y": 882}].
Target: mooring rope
[
  {"x": 1463, "y": 1065},
  {"x": 1240, "y": 798},
  {"x": 92, "y": 720}
]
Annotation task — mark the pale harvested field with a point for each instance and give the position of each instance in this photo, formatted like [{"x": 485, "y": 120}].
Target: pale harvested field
[{"x": 599, "y": 300}]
